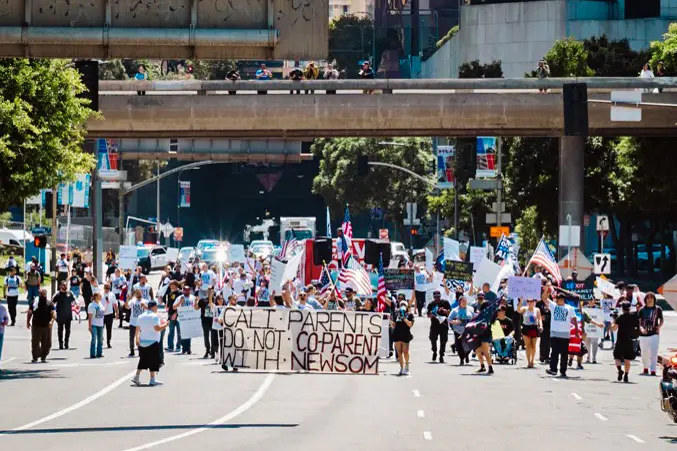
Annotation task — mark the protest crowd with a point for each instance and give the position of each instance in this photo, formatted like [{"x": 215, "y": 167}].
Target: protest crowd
[{"x": 477, "y": 309}]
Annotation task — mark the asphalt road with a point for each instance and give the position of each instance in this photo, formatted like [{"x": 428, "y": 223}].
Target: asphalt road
[{"x": 72, "y": 402}]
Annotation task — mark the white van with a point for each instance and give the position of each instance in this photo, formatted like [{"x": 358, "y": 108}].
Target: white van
[{"x": 14, "y": 237}]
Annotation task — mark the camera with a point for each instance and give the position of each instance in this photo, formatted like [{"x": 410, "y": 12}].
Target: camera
[{"x": 401, "y": 314}]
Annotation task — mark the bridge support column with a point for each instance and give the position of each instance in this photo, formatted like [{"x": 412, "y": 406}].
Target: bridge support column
[{"x": 571, "y": 175}]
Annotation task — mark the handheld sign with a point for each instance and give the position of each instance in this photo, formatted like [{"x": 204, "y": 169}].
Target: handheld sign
[
  {"x": 458, "y": 270},
  {"x": 477, "y": 254},
  {"x": 399, "y": 279},
  {"x": 596, "y": 315},
  {"x": 127, "y": 257},
  {"x": 524, "y": 288}
]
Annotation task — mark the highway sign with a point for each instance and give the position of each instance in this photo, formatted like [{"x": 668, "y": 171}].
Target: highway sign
[
  {"x": 492, "y": 218},
  {"x": 601, "y": 263},
  {"x": 496, "y": 232},
  {"x": 565, "y": 235},
  {"x": 602, "y": 223}
]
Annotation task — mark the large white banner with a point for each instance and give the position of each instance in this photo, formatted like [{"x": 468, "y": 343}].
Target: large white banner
[{"x": 302, "y": 340}]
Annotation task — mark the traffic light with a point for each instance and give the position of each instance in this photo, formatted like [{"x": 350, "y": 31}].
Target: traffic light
[
  {"x": 49, "y": 210},
  {"x": 40, "y": 241},
  {"x": 362, "y": 165},
  {"x": 414, "y": 231}
]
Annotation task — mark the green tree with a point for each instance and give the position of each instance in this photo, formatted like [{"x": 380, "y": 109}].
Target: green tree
[
  {"x": 530, "y": 229},
  {"x": 112, "y": 70},
  {"x": 213, "y": 69},
  {"x": 41, "y": 127},
  {"x": 350, "y": 41},
  {"x": 390, "y": 189},
  {"x": 567, "y": 58},
  {"x": 614, "y": 58},
  {"x": 474, "y": 69},
  {"x": 666, "y": 50}
]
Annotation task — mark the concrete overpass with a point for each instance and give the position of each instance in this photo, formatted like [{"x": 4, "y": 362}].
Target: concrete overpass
[
  {"x": 509, "y": 107},
  {"x": 164, "y": 29}
]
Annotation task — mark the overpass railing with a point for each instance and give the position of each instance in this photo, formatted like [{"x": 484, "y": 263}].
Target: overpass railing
[{"x": 387, "y": 85}]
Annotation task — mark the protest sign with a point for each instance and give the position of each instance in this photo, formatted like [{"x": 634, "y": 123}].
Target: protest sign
[
  {"x": 458, "y": 271},
  {"x": 524, "y": 288},
  {"x": 486, "y": 272},
  {"x": 127, "y": 257},
  {"x": 236, "y": 253},
  {"x": 451, "y": 249},
  {"x": 605, "y": 286},
  {"x": 292, "y": 267},
  {"x": 302, "y": 340},
  {"x": 585, "y": 290},
  {"x": 429, "y": 260},
  {"x": 399, "y": 279},
  {"x": 276, "y": 275},
  {"x": 596, "y": 315},
  {"x": 477, "y": 254},
  {"x": 190, "y": 322}
]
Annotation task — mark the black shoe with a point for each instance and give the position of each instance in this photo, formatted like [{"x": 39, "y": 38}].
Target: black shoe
[
  {"x": 482, "y": 369},
  {"x": 441, "y": 359},
  {"x": 434, "y": 356},
  {"x": 66, "y": 346},
  {"x": 563, "y": 374},
  {"x": 206, "y": 356},
  {"x": 462, "y": 362},
  {"x": 60, "y": 346},
  {"x": 213, "y": 356},
  {"x": 491, "y": 370},
  {"x": 467, "y": 360},
  {"x": 551, "y": 372},
  {"x": 625, "y": 378},
  {"x": 131, "y": 354},
  {"x": 109, "y": 346}
]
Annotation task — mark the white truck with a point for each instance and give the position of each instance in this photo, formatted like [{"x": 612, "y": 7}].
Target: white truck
[{"x": 303, "y": 229}]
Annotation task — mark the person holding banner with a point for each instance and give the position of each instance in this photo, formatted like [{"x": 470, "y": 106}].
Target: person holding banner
[
  {"x": 185, "y": 301},
  {"x": 532, "y": 327},
  {"x": 404, "y": 321},
  {"x": 650, "y": 323},
  {"x": 147, "y": 338}
]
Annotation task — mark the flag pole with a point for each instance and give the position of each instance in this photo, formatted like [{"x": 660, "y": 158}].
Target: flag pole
[
  {"x": 331, "y": 281},
  {"x": 532, "y": 256}
]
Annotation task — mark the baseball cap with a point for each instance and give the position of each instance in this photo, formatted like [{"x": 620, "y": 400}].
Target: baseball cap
[
  {"x": 152, "y": 304},
  {"x": 349, "y": 290}
]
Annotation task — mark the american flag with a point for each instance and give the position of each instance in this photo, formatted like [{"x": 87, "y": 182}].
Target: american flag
[
  {"x": 381, "y": 289},
  {"x": 543, "y": 258},
  {"x": 355, "y": 276},
  {"x": 346, "y": 245},
  {"x": 327, "y": 285},
  {"x": 289, "y": 246}
]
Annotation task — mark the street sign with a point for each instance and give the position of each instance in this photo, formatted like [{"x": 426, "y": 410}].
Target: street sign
[
  {"x": 626, "y": 113},
  {"x": 602, "y": 223},
  {"x": 494, "y": 207},
  {"x": 109, "y": 175},
  {"x": 486, "y": 185},
  {"x": 41, "y": 231},
  {"x": 492, "y": 218},
  {"x": 411, "y": 218},
  {"x": 496, "y": 232},
  {"x": 575, "y": 261},
  {"x": 166, "y": 229},
  {"x": 602, "y": 263},
  {"x": 564, "y": 234}
]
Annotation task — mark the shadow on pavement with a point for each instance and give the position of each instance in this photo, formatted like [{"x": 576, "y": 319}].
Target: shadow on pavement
[
  {"x": 168, "y": 427},
  {"x": 11, "y": 374}
]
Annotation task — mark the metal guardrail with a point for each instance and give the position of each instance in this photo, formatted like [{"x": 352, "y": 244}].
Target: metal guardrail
[{"x": 387, "y": 84}]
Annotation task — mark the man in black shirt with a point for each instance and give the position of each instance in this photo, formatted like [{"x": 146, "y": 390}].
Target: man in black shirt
[
  {"x": 171, "y": 295},
  {"x": 63, "y": 301},
  {"x": 207, "y": 317},
  {"x": 87, "y": 287},
  {"x": 438, "y": 312},
  {"x": 627, "y": 327}
]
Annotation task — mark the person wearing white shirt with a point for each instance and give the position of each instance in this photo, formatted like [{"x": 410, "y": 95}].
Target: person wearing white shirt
[
  {"x": 110, "y": 303},
  {"x": 217, "y": 325},
  {"x": 185, "y": 301},
  {"x": 421, "y": 281},
  {"x": 11, "y": 293},
  {"x": 95, "y": 312},
  {"x": 62, "y": 267},
  {"x": 11, "y": 263},
  {"x": 146, "y": 290},
  {"x": 136, "y": 306},
  {"x": 147, "y": 338},
  {"x": 561, "y": 318}
]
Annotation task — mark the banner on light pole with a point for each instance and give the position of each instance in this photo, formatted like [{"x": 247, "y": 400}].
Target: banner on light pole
[{"x": 184, "y": 194}]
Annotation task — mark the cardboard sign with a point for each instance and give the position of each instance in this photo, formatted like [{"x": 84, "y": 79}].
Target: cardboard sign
[
  {"x": 458, "y": 270},
  {"x": 477, "y": 254},
  {"x": 399, "y": 279},
  {"x": 485, "y": 272},
  {"x": 302, "y": 340},
  {"x": 596, "y": 315},
  {"x": 276, "y": 275},
  {"x": 524, "y": 288},
  {"x": 452, "y": 249},
  {"x": 190, "y": 323}
]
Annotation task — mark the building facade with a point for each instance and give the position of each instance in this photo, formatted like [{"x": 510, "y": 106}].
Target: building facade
[
  {"x": 521, "y": 33},
  {"x": 338, "y": 8}
]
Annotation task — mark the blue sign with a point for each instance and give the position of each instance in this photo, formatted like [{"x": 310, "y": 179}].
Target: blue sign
[{"x": 41, "y": 231}]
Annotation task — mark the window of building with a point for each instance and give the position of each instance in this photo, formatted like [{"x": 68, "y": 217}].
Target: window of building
[
  {"x": 331, "y": 10},
  {"x": 345, "y": 9},
  {"x": 641, "y": 9}
]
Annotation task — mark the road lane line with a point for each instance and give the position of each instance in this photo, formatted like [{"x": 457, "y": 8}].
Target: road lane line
[
  {"x": 635, "y": 438},
  {"x": 576, "y": 396},
  {"x": 224, "y": 419},
  {"x": 601, "y": 417},
  {"x": 427, "y": 435},
  {"x": 420, "y": 414},
  {"x": 75, "y": 365},
  {"x": 76, "y": 406},
  {"x": 417, "y": 394},
  {"x": 7, "y": 360}
]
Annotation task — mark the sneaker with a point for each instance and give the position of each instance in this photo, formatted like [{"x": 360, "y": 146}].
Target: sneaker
[
  {"x": 131, "y": 354},
  {"x": 34, "y": 361},
  {"x": 169, "y": 349},
  {"x": 406, "y": 367},
  {"x": 646, "y": 371},
  {"x": 441, "y": 359},
  {"x": 594, "y": 361},
  {"x": 653, "y": 373},
  {"x": 620, "y": 375},
  {"x": 491, "y": 370},
  {"x": 136, "y": 381},
  {"x": 563, "y": 375},
  {"x": 60, "y": 347},
  {"x": 571, "y": 362},
  {"x": 551, "y": 372},
  {"x": 462, "y": 362},
  {"x": 625, "y": 378},
  {"x": 482, "y": 369},
  {"x": 434, "y": 356},
  {"x": 405, "y": 372},
  {"x": 401, "y": 372},
  {"x": 109, "y": 346},
  {"x": 43, "y": 360},
  {"x": 206, "y": 356},
  {"x": 155, "y": 383},
  {"x": 467, "y": 360},
  {"x": 579, "y": 366}
]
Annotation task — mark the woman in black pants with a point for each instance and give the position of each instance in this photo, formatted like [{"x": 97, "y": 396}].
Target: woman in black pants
[
  {"x": 217, "y": 326},
  {"x": 207, "y": 317},
  {"x": 544, "y": 306}
]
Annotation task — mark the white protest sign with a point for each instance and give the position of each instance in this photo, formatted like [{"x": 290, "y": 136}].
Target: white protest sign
[
  {"x": 485, "y": 272},
  {"x": 607, "y": 287},
  {"x": 429, "y": 260},
  {"x": 384, "y": 349},
  {"x": 302, "y": 340},
  {"x": 596, "y": 315},
  {"x": 127, "y": 257},
  {"x": 435, "y": 285},
  {"x": 236, "y": 253},
  {"x": 292, "y": 267},
  {"x": 477, "y": 254},
  {"x": 276, "y": 273},
  {"x": 451, "y": 249},
  {"x": 524, "y": 288},
  {"x": 190, "y": 322}
]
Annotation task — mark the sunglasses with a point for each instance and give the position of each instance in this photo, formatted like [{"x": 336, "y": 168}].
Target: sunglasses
[{"x": 530, "y": 301}]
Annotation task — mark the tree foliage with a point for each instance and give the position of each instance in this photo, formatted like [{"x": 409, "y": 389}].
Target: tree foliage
[
  {"x": 567, "y": 58},
  {"x": 389, "y": 189},
  {"x": 350, "y": 41},
  {"x": 666, "y": 50},
  {"x": 41, "y": 127},
  {"x": 474, "y": 69},
  {"x": 614, "y": 58}
]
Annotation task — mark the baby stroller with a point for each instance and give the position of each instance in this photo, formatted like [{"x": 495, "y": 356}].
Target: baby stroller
[{"x": 504, "y": 350}]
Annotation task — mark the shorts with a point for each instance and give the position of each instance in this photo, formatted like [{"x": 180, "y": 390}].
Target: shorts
[
  {"x": 624, "y": 351},
  {"x": 530, "y": 331},
  {"x": 149, "y": 357}
]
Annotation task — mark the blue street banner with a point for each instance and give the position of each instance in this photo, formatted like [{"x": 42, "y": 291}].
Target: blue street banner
[
  {"x": 184, "y": 194},
  {"x": 486, "y": 157},
  {"x": 445, "y": 166}
]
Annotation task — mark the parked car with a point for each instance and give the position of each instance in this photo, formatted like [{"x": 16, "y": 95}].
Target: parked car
[
  {"x": 205, "y": 244},
  {"x": 261, "y": 248},
  {"x": 185, "y": 254},
  {"x": 152, "y": 257}
]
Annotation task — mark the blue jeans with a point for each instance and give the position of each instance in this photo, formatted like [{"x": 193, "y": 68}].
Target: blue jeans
[
  {"x": 96, "y": 345},
  {"x": 2, "y": 340},
  {"x": 174, "y": 328},
  {"x": 32, "y": 293}
]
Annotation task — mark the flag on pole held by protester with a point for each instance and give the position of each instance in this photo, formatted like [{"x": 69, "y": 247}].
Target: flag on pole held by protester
[
  {"x": 543, "y": 258},
  {"x": 503, "y": 247},
  {"x": 381, "y": 287},
  {"x": 345, "y": 247},
  {"x": 289, "y": 246},
  {"x": 326, "y": 283},
  {"x": 353, "y": 275},
  {"x": 328, "y": 224}
]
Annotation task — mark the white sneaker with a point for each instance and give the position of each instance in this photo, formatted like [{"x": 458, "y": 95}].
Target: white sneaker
[
  {"x": 405, "y": 372},
  {"x": 136, "y": 381},
  {"x": 406, "y": 367},
  {"x": 155, "y": 382},
  {"x": 401, "y": 373}
]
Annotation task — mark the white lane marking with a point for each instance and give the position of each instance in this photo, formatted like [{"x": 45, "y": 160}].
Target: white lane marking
[
  {"x": 76, "y": 406},
  {"x": 417, "y": 394},
  {"x": 8, "y": 360},
  {"x": 601, "y": 417},
  {"x": 74, "y": 365},
  {"x": 420, "y": 414},
  {"x": 576, "y": 396},
  {"x": 635, "y": 438},
  {"x": 427, "y": 435},
  {"x": 224, "y": 419}
]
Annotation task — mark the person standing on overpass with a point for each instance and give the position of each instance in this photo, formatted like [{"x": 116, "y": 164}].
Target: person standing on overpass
[{"x": 147, "y": 337}]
